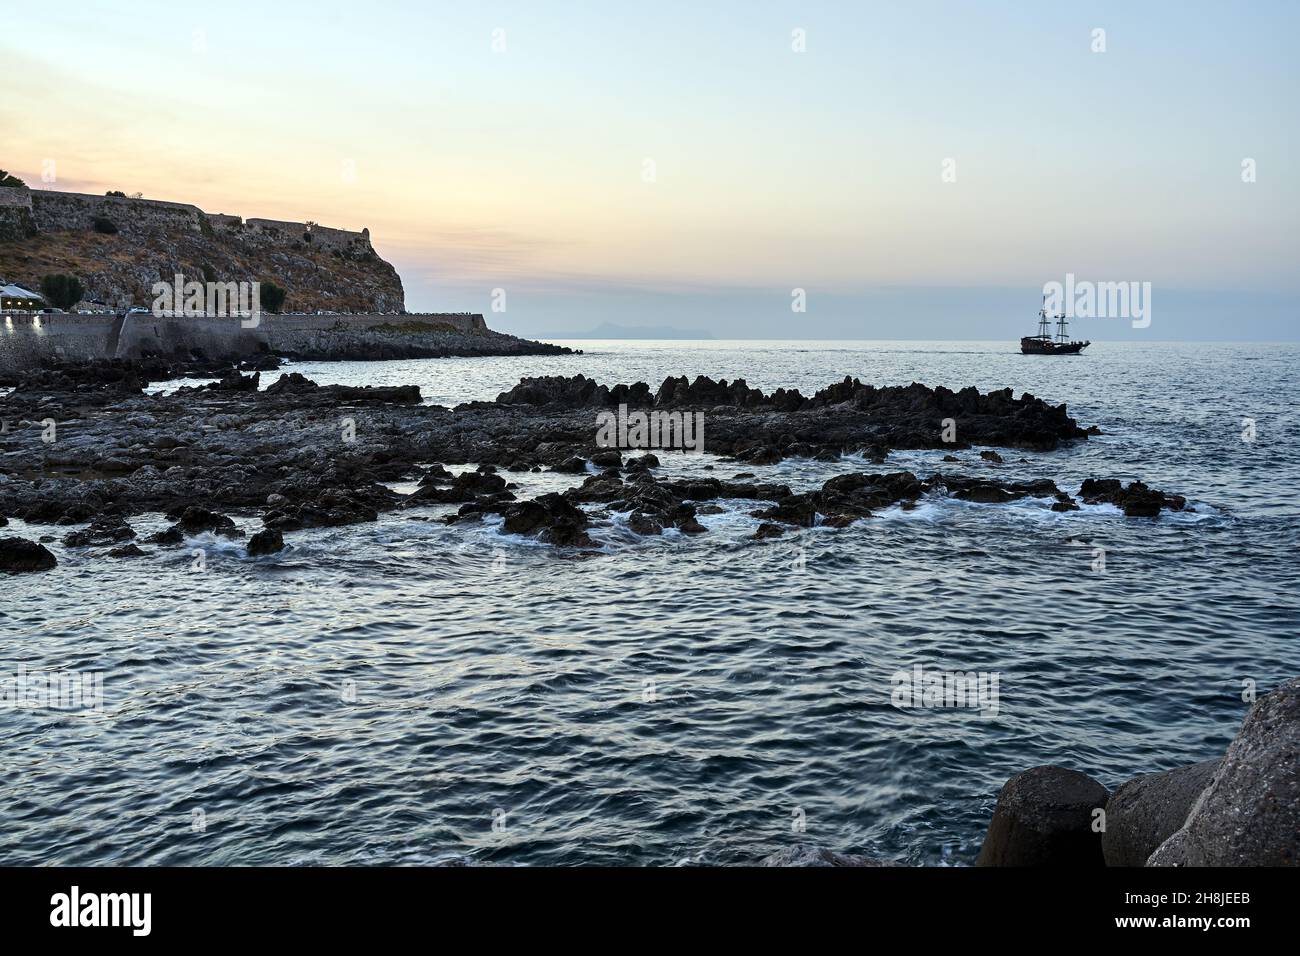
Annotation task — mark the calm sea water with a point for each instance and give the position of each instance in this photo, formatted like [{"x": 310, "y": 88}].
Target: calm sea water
[{"x": 408, "y": 692}]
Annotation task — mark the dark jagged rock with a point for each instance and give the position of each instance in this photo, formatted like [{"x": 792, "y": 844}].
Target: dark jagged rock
[
  {"x": 20, "y": 556},
  {"x": 281, "y": 453},
  {"x": 234, "y": 382},
  {"x": 294, "y": 384},
  {"x": 127, "y": 551},
  {"x": 109, "y": 376},
  {"x": 572, "y": 466},
  {"x": 1147, "y": 810},
  {"x": 984, "y": 491},
  {"x": 1045, "y": 817},
  {"x": 552, "y": 517},
  {"x": 1136, "y": 499},
  {"x": 576, "y": 391},
  {"x": 191, "y": 520},
  {"x": 466, "y": 486},
  {"x": 104, "y": 530},
  {"x": 766, "y": 530},
  {"x": 991, "y": 456},
  {"x": 328, "y": 508},
  {"x": 909, "y": 416},
  {"x": 291, "y": 382},
  {"x": 172, "y": 536},
  {"x": 266, "y": 541}
]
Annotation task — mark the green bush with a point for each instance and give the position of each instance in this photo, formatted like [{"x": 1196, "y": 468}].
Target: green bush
[
  {"x": 8, "y": 180},
  {"x": 62, "y": 291},
  {"x": 273, "y": 297},
  {"x": 116, "y": 192}
]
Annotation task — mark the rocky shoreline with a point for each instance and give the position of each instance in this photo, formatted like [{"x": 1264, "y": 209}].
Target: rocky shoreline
[
  {"x": 84, "y": 444},
  {"x": 84, "y": 450}
]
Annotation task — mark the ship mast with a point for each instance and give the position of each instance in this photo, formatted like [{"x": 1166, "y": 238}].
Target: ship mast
[
  {"x": 1043, "y": 333},
  {"x": 1061, "y": 335}
]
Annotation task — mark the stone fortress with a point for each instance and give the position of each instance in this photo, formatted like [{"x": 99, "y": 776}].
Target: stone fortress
[
  {"x": 345, "y": 301},
  {"x": 25, "y": 212}
]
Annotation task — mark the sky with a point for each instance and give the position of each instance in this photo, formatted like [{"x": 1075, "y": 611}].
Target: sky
[{"x": 919, "y": 170}]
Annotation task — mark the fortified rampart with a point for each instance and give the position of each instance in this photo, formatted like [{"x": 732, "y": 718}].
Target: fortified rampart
[
  {"x": 55, "y": 211},
  {"x": 16, "y": 221},
  {"x": 29, "y": 340}
]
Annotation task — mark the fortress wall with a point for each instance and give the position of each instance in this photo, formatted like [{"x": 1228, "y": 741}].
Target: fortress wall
[
  {"x": 225, "y": 337},
  {"x": 16, "y": 214},
  {"x": 28, "y": 340},
  {"x": 54, "y": 211},
  {"x": 15, "y": 196},
  {"x": 322, "y": 237}
]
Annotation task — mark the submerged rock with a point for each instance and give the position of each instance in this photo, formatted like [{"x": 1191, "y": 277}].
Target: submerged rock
[
  {"x": 1045, "y": 817},
  {"x": 818, "y": 856}
]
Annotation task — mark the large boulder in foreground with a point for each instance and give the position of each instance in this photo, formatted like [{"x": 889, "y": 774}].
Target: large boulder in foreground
[
  {"x": 1044, "y": 817},
  {"x": 19, "y": 556},
  {"x": 818, "y": 856},
  {"x": 1249, "y": 814},
  {"x": 1147, "y": 810}
]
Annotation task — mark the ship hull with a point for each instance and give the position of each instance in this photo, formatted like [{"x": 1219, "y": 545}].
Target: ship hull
[{"x": 1034, "y": 346}]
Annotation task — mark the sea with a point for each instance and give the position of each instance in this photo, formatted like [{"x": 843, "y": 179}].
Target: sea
[{"x": 411, "y": 693}]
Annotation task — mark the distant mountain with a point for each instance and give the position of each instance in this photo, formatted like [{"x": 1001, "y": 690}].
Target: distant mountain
[{"x": 607, "y": 330}]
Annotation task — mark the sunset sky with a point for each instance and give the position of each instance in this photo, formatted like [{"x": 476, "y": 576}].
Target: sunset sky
[{"x": 525, "y": 168}]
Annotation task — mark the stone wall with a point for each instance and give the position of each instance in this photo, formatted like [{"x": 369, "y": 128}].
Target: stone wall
[
  {"x": 352, "y": 244},
  {"x": 16, "y": 220},
  {"x": 54, "y": 211},
  {"x": 220, "y": 337},
  {"x": 28, "y": 340}
]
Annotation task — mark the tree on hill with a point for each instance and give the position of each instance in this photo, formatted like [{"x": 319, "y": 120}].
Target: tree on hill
[
  {"x": 62, "y": 291},
  {"x": 272, "y": 297},
  {"x": 7, "y": 180}
]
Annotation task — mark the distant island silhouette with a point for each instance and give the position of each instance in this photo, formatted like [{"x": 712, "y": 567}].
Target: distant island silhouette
[{"x": 608, "y": 330}]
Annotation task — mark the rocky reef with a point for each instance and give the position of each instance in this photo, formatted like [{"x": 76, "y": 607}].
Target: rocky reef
[{"x": 301, "y": 455}]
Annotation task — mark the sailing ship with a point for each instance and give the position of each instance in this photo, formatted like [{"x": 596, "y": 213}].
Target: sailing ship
[{"x": 1044, "y": 344}]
